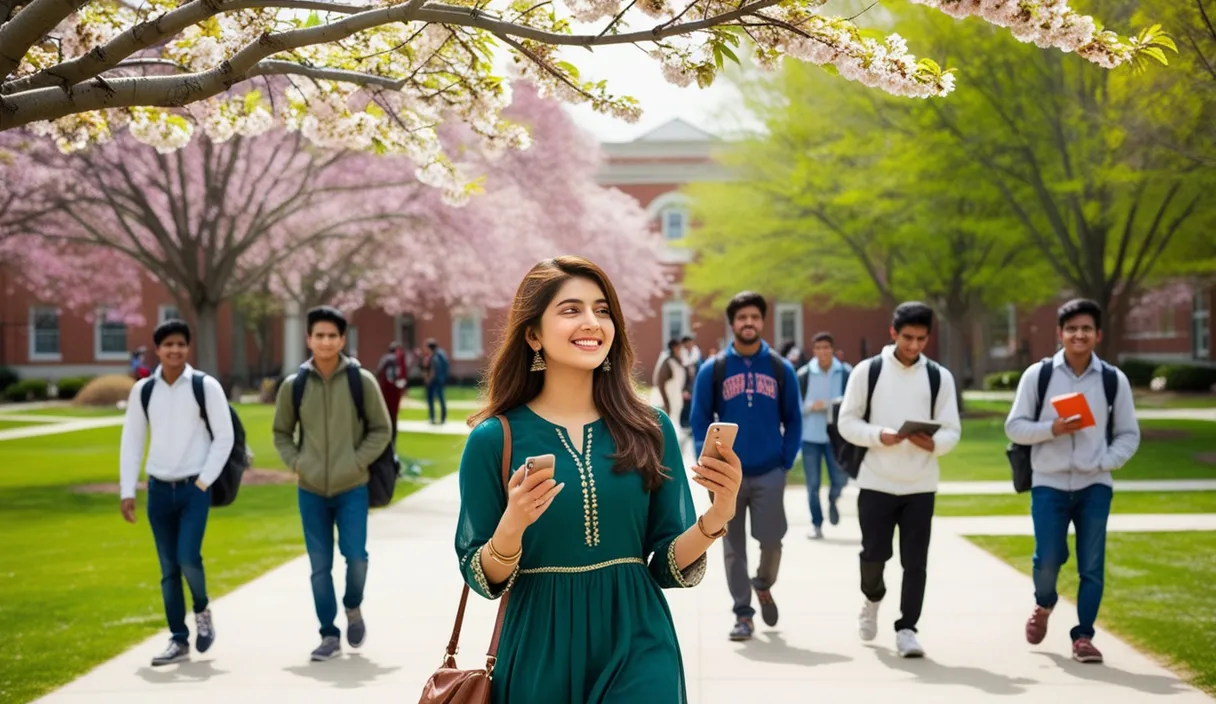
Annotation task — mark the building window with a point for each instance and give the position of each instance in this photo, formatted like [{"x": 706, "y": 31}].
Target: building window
[
  {"x": 1201, "y": 325},
  {"x": 168, "y": 312},
  {"x": 466, "y": 335},
  {"x": 789, "y": 324},
  {"x": 1003, "y": 332},
  {"x": 44, "y": 334},
  {"x": 110, "y": 338},
  {"x": 352, "y": 342},
  {"x": 675, "y": 223},
  {"x": 675, "y": 321}
]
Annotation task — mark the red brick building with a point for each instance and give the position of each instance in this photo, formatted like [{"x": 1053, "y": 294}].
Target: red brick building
[{"x": 40, "y": 340}]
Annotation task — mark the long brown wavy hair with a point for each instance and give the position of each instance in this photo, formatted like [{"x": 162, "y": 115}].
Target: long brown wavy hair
[{"x": 631, "y": 422}]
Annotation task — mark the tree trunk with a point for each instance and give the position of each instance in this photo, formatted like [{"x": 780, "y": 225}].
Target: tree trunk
[
  {"x": 207, "y": 342},
  {"x": 955, "y": 353}
]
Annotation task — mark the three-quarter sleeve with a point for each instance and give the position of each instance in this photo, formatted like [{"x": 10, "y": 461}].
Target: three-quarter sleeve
[
  {"x": 482, "y": 502},
  {"x": 671, "y": 513}
]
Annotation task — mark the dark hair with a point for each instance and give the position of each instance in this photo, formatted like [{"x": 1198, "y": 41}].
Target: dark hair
[
  {"x": 743, "y": 300},
  {"x": 1080, "y": 306},
  {"x": 431, "y": 343},
  {"x": 787, "y": 346},
  {"x": 686, "y": 338},
  {"x": 167, "y": 328},
  {"x": 673, "y": 343},
  {"x": 631, "y": 422},
  {"x": 912, "y": 313},
  {"x": 326, "y": 314},
  {"x": 823, "y": 337}
]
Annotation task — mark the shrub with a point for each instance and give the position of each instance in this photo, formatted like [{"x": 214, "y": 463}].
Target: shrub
[
  {"x": 1139, "y": 372},
  {"x": 27, "y": 390},
  {"x": 1003, "y": 381},
  {"x": 105, "y": 390},
  {"x": 1186, "y": 377},
  {"x": 8, "y": 377},
  {"x": 69, "y": 386}
]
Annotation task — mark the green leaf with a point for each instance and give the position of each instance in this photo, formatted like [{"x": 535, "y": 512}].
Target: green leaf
[
  {"x": 569, "y": 68},
  {"x": 314, "y": 20}
]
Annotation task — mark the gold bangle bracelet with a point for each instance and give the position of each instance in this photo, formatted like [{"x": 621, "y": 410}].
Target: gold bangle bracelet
[
  {"x": 506, "y": 560},
  {"x": 707, "y": 534}
]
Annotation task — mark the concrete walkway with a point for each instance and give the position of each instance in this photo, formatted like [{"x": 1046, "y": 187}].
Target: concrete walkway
[{"x": 972, "y": 629}]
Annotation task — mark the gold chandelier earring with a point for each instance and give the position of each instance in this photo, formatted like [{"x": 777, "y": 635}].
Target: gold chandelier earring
[
  {"x": 538, "y": 363},
  {"x": 606, "y": 366}
]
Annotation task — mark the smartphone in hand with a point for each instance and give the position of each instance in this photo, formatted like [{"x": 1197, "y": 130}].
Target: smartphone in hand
[
  {"x": 724, "y": 433},
  {"x": 538, "y": 463}
]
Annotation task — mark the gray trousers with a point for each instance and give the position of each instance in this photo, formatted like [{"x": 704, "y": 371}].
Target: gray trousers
[{"x": 764, "y": 497}]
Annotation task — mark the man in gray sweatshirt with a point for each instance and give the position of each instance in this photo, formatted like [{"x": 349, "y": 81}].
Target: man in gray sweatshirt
[{"x": 1072, "y": 465}]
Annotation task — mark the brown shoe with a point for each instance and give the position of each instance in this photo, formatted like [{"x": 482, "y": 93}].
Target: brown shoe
[
  {"x": 1036, "y": 627},
  {"x": 1083, "y": 650},
  {"x": 768, "y": 607}
]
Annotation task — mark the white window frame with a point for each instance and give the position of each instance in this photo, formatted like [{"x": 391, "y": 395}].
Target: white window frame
[
  {"x": 35, "y": 355},
  {"x": 459, "y": 352},
  {"x": 163, "y": 309},
  {"x": 98, "y": 354},
  {"x": 676, "y": 308},
  {"x": 780, "y": 310},
  {"x": 663, "y": 224},
  {"x": 1010, "y": 349},
  {"x": 1201, "y": 326}
]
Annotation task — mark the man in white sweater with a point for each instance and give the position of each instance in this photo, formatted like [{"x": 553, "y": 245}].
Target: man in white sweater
[{"x": 898, "y": 475}]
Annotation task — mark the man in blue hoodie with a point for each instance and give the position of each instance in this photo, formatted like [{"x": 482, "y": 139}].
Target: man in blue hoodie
[{"x": 751, "y": 386}]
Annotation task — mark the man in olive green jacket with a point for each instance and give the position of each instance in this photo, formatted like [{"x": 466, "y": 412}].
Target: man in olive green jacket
[{"x": 331, "y": 462}]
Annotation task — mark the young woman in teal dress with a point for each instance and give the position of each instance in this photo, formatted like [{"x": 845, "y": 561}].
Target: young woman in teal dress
[{"x": 587, "y": 622}]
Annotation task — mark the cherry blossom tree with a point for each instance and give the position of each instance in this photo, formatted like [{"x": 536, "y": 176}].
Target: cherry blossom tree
[{"x": 382, "y": 76}]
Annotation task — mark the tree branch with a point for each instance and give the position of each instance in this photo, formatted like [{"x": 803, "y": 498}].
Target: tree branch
[{"x": 29, "y": 26}]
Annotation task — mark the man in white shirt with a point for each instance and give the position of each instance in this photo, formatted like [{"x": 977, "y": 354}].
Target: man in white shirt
[
  {"x": 898, "y": 475},
  {"x": 184, "y": 460}
]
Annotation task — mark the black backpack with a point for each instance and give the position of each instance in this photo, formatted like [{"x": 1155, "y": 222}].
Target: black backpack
[
  {"x": 382, "y": 474},
  {"x": 224, "y": 490},
  {"x": 1019, "y": 455},
  {"x": 720, "y": 376},
  {"x": 849, "y": 455}
]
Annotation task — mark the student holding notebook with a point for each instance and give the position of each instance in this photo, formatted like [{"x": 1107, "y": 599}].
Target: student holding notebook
[{"x": 1086, "y": 432}]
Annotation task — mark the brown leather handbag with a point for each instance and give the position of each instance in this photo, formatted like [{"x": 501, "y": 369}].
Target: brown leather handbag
[{"x": 450, "y": 684}]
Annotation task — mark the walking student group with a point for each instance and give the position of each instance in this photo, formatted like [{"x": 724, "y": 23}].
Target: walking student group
[{"x": 580, "y": 574}]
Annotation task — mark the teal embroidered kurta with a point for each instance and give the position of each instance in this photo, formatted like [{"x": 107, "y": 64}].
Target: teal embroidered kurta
[{"x": 587, "y": 622}]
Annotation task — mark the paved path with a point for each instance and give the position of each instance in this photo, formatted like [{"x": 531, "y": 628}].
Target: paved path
[{"x": 972, "y": 628}]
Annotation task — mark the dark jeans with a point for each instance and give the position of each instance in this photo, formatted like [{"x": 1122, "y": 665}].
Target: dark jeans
[
  {"x": 879, "y": 514},
  {"x": 348, "y": 513},
  {"x": 763, "y": 496},
  {"x": 1052, "y": 510},
  {"x": 177, "y": 512},
  {"x": 435, "y": 392},
  {"x": 814, "y": 454}
]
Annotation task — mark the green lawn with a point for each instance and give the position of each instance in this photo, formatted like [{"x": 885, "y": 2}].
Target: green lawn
[
  {"x": 980, "y": 456},
  {"x": 1147, "y": 399},
  {"x": 454, "y": 414},
  {"x": 83, "y": 585},
  {"x": 1157, "y": 596},
  {"x": 68, "y": 411},
  {"x": 454, "y": 393},
  {"x": 1124, "y": 502},
  {"x": 10, "y": 424}
]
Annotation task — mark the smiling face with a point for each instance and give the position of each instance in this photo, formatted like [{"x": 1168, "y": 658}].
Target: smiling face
[
  {"x": 1080, "y": 335},
  {"x": 748, "y": 325},
  {"x": 576, "y": 330},
  {"x": 173, "y": 351},
  {"x": 324, "y": 341},
  {"x": 910, "y": 341}
]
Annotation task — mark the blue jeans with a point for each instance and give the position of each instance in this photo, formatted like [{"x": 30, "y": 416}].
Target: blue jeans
[
  {"x": 434, "y": 392},
  {"x": 348, "y": 512},
  {"x": 177, "y": 512},
  {"x": 812, "y": 454},
  {"x": 1052, "y": 510}
]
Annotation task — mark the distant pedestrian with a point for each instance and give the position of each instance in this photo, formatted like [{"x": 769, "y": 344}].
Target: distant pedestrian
[
  {"x": 391, "y": 375},
  {"x": 822, "y": 382},
  {"x": 436, "y": 382}
]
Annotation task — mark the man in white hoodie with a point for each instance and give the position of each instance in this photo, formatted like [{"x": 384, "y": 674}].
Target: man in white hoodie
[{"x": 898, "y": 474}]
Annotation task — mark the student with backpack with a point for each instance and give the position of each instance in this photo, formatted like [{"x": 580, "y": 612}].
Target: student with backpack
[
  {"x": 343, "y": 442},
  {"x": 897, "y": 473},
  {"x": 1069, "y": 464},
  {"x": 191, "y": 445}
]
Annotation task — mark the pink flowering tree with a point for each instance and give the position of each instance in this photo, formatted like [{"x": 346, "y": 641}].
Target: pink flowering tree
[{"x": 382, "y": 76}]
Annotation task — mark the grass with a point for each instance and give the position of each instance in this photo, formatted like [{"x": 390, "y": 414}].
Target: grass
[
  {"x": 980, "y": 456},
  {"x": 84, "y": 585},
  {"x": 1157, "y": 596},
  {"x": 1124, "y": 502},
  {"x": 67, "y": 411},
  {"x": 454, "y": 393},
  {"x": 1148, "y": 399},
  {"x": 10, "y": 424}
]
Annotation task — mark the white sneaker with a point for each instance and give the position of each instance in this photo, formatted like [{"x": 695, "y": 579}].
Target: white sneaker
[
  {"x": 908, "y": 646},
  {"x": 815, "y": 534},
  {"x": 867, "y": 621}
]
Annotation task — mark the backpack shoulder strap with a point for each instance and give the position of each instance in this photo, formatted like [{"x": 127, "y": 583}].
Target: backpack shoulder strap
[
  {"x": 778, "y": 374},
  {"x": 935, "y": 385},
  {"x": 1110, "y": 385},
  {"x": 875, "y": 370},
  {"x": 506, "y": 451},
  {"x": 297, "y": 390},
  {"x": 1045, "y": 369},
  {"x": 196, "y": 384},
  {"x": 719, "y": 377},
  {"x": 355, "y": 380},
  {"x": 145, "y": 394},
  {"x": 804, "y": 379}
]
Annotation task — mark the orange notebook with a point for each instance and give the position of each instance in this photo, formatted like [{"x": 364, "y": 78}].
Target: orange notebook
[{"x": 1074, "y": 404}]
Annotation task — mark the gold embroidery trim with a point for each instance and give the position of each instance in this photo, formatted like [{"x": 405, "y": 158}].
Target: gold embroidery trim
[
  {"x": 480, "y": 575},
  {"x": 690, "y": 576},
  {"x": 591, "y": 513},
  {"x": 584, "y": 568}
]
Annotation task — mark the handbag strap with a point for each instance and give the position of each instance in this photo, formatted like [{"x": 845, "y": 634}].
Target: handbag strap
[{"x": 454, "y": 642}]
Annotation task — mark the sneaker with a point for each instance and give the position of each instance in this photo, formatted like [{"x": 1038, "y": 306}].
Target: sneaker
[
  {"x": 907, "y": 645},
  {"x": 175, "y": 653},
  {"x": 833, "y": 513},
  {"x": 768, "y": 607},
  {"x": 867, "y": 621},
  {"x": 356, "y": 630},
  {"x": 206, "y": 630},
  {"x": 815, "y": 533},
  {"x": 743, "y": 629},
  {"x": 1083, "y": 650},
  {"x": 1036, "y": 626},
  {"x": 330, "y": 648}
]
